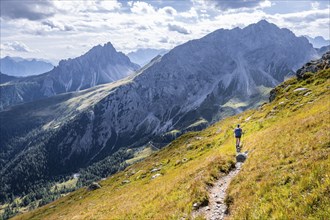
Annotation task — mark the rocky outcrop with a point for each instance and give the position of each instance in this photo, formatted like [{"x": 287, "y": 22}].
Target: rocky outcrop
[
  {"x": 94, "y": 186},
  {"x": 310, "y": 67},
  {"x": 315, "y": 65}
]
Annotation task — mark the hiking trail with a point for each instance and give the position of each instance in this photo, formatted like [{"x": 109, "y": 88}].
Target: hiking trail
[{"x": 217, "y": 208}]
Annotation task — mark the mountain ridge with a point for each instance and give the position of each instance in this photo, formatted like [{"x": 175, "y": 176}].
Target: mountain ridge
[
  {"x": 199, "y": 82},
  {"x": 17, "y": 66},
  {"x": 101, "y": 64},
  {"x": 318, "y": 41},
  {"x": 179, "y": 176}
]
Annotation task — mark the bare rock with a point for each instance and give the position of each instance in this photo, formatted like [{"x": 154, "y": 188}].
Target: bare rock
[
  {"x": 156, "y": 175},
  {"x": 241, "y": 157},
  {"x": 314, "y": 66},
  {"x": 94, "y": 186},
  {"x": 125, "y": 181}
]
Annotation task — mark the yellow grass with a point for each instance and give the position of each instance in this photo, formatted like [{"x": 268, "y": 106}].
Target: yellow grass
[{"x": 285, "y": 177}]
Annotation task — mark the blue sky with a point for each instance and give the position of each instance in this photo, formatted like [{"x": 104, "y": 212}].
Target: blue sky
[{"x": 61, "y": 29}]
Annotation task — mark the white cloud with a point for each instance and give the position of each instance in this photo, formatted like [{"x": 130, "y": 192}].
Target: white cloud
[
  {"x": 192, "y": 13},
  {"x": 315, "y": 5},
  {"x": 31, "y": 10},
  {"x": 142, "y": 8},
  {"x": 168, "y": 11},
  {"x": 178, "y": 28},
  {"x": 58, "y": 26},
  {"x": 15, "y": 46},
  {"x": 142, "y": 24},
  {"x": 96, "y": 6}
]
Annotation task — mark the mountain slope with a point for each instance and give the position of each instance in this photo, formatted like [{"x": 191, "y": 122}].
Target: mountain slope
[
  {"x": 190, "y": 87},
  {"x": 6, "y": 78},
  {"x": 23, "y": 67},
  {"x": 102, "y": 64},
  {"x": 285, "y": 176}
]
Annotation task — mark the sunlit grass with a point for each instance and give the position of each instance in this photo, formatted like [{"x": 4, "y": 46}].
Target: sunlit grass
[{"x": 285, "y": 177}]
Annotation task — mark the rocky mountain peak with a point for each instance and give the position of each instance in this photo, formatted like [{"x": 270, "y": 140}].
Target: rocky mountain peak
[{"x": 100, "y": 65}]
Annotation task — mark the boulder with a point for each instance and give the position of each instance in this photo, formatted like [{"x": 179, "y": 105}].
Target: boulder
[
  {"x": 272, "y": 95},
  {"x": 300, "y": 89},
  {"x": 241, "y": 157},
  {"x": 125, "y": 181},
  {"x": 156, "y": 175},
  {"x": 155, "y": 170},
  {"x": 94, "y": 186}
]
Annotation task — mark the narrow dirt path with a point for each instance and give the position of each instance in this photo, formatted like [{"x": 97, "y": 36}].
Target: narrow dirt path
[{"x": 217, "y": 209}]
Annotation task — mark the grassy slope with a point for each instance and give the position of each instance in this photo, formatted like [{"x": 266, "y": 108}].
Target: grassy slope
[{"x": 286, "y": 175}]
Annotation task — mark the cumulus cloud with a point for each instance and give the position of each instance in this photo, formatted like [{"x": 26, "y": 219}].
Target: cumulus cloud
[
  {"x": 31, "y": 10},
  {"x": 177, "y": 28},
  {"x": 306, "y": 16},
  {"x": 142, "y": 28},
  {"x": 93, "y": 6},
  {"x": 168, "y": 11},
  {"x": 58, "y": 26},
  {"x": 163, "y": 40},
  {"x": 15, "y": 46},
  {"x": 315, "y": 5},
  {"x": 141, "y": 8},
  {"x": 235, "y": 4}
]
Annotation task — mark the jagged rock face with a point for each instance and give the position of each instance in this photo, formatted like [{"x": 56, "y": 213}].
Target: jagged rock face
[
  {"x": 102, "y": 64},
  {"x": 191, "y": 84},
  {"x": 192, "y": 81},
  {"x": 195, "y": 79},
  {"x": 315, "y": 65}
]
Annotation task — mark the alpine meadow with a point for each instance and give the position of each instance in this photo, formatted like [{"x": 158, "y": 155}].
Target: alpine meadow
[{"x": 163, "y": 110}]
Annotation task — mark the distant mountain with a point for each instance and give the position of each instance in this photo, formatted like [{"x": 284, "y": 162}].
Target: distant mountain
[
  {"x": 190, "y": 87},
  {"x": 318, "y": 41},
  {"x": 6, "y": 78},
  {"x": 286, "y": 173},
  {"x": 17, "y": 66},
  {"x": 323, "y": 50},
  {"x": 144, "y": 56},
  {"x": 102, "y": 64}
]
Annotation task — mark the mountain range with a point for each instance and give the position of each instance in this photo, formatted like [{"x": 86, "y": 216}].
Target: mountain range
[
  {"x": 190, "y": 87},
  {"x": 318, "y": 41},
  {"x": 16, "y": 66},
  {"x": 102, "y": 64},
  {"x": 145, "y": 55},
  {"x": 285, "y": 174}
]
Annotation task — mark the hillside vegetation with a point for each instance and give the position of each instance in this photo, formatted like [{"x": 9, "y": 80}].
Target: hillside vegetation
[{"x": 285, "y": 177}]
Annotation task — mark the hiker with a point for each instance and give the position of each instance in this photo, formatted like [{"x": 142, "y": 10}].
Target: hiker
[{"x": 238, "y": 134}]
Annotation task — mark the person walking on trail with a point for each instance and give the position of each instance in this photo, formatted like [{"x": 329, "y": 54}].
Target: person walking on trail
[{"x": 238, "y": 134}]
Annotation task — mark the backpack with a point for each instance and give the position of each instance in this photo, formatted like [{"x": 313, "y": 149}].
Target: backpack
[{"x": 238, "y": 132}]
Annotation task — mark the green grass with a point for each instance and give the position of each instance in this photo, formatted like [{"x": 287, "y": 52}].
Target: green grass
[
  {"x": 285, "y": 177},
  {"x": 71, "y": 183},
  {"x": 140, "y": 155}
]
